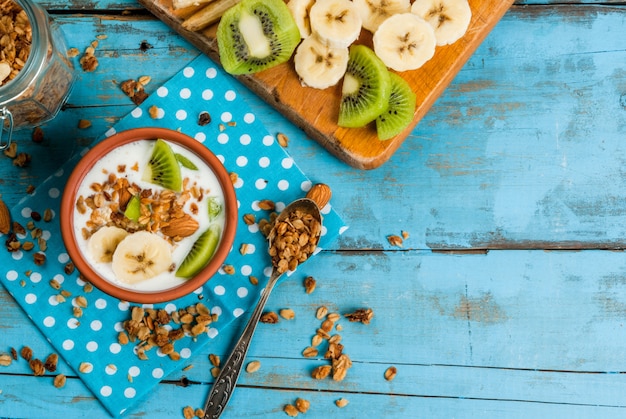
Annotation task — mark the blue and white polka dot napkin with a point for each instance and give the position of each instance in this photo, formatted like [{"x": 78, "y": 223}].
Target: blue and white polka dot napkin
[{"x": 112, "y": 371}]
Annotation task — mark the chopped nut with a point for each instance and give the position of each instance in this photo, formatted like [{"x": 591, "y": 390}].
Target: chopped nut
[
  {"x": 215, "y": 360},
  {"x": 51, "y": 363},
  {"x": 309, "y": 284},
  {"x": 253, "y": 366},
  {"x": 361, "y": 315},
  {"x": 321, "y": 312},
  {"x": 390, "y": 373},
  {"x": 341, "y": 402},
  {"x": 309, "y": 352},
  {"x": 37, "y": 135},
  {"x": 81, "y": 301},
  {"x": 267, "y": 205},
  {"x": 21, "y": 160},
  {"x": 47, "y": 215},
  {"x": 37, "y": 367},
  {"x": 26, "y": 353},
  {"x": 243, "y": 249},
  {"x": 39, "y": 258},
  {"x": 287, "y": 314},
  {"x": 321, "y": 372},
  {"x": 269, "y": 317},
  {"x": 215, "y": 371},
  {"x": 283, "y": 140},
  {"x": 405, "y": 234},
  {"x": 5, "y": 360},
  {"x": 290, "y": 410},
  {"x": 188, "y": 412},
  {"x": 320, "y": 193},
  {"x": 302, "y": 405},
  {"x": 84, "y": 123},
  {"x": 204, "y": 118},
  {"x": 249, "y": 219},
  {"x": 59, "y": 381},
  {"x": 253, "y": 280},
  {"x": 229, "y": 269},
  {"x": 395, "y": 240},
  {"x": 199, "y": 413},
  {"x": 11, "y": 151},
  {"x": 234, "y": 177},
  {"x": 340, "y": 367},
  {"x": 153, "y": 111}
]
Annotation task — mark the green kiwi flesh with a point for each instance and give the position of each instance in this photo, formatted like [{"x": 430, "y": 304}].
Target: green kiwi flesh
[
  {"x": 133, "y": 208},
  {"x": 400, "y": 110},
  {"x": 255, "y": 35},
  {"x": 201, "y": 252},
  {"x": 185, "y": 162},
  {"x": 365, "y": 90},
  {"x": 162, "y": 168}
]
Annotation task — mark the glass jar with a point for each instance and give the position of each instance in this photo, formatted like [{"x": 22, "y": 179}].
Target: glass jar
[{"x": 41, "y": 87}]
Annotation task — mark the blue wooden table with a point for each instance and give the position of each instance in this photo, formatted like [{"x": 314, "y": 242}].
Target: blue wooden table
[{"x": 508, "y": 298}]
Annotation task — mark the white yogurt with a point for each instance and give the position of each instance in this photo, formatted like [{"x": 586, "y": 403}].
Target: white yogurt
[{"x": 134, "y": 157}]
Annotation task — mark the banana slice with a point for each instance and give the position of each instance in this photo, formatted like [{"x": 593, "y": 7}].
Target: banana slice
[
  {"x": 449, "y": 18},
  {"x": 336, "y": 22},
  {"x": 404, "y": 42},
  {"x": 300, "y": 11},
  {"x": 374, "y": 12},
  {"x": 102, "y": 243},
  {"x": 318, "y": 65},
  {"x": 141, "y": 256}
]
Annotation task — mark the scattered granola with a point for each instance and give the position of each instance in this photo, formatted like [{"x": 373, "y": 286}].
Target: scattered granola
[
  {"x": 283, "y": 140},
  {"x": 84, "y": 123},
  {"x": 309, "y": 284},
  {"x": 88, "y": 61},
  {"x": 253, "y": 366},
  {"x": 290, "y": 410},
  {"x": 204, "y": 118},
  {"x": 37, "y": 135},
  {"x": 390, "y": 373},
  {"x": 5, "y": 360},
  {"x": 59, "y": 381},
  {"x": 269, "y": 317},
  {"x": 302, "y": 405},
  {"x": 363, "y": 315},
  {"x": 395, "y": 240},
  {"x": 287, "y": 314},
  {"x": 341, "y": 402}
]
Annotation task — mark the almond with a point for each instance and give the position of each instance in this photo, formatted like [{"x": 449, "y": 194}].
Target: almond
[
  {"x": 180, "y": 227},
  {"x": 320, "y": 193},
  {"x": 5, "y": 218}
]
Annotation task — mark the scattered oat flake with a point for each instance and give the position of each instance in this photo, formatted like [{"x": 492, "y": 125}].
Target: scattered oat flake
[
  {"x": 342, "y": 402},
  {"x": 291, "y": 410},
  {"x": 302, "y": 405},
  {"x": 390, "y": 373},
  {"x": 253, "y": 366}
]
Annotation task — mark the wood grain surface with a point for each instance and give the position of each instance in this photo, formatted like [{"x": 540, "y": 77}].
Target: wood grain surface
[{"x": 315, "y": 111}]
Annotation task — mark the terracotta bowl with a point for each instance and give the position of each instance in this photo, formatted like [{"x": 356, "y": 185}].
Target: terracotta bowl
[{"x": 69, "y": 230}]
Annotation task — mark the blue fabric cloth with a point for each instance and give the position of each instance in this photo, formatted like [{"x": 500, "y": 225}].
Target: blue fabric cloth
[{"x": 265, "y": 171}]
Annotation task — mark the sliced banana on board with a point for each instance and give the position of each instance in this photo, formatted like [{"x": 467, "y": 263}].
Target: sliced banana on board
[
  {"x": 318, "y": 65},
  {"x": 449, "y": 18},
  {"x": 336, "y": 22},
  {"x": 141, "y": 256},
  {"x": 374, "y": 12},
  {"x": 102, "y": 243},
  {"x": 300, "y": 11},
  {"x": 404, "y": 42}
]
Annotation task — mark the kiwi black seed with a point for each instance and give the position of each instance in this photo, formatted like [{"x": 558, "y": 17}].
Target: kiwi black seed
[
  {"x": 366, "y": 88},
  {"x": 162, "y": 168},
  {"x": 400, "y": 110},
  {"x": 277, "y": 26}
]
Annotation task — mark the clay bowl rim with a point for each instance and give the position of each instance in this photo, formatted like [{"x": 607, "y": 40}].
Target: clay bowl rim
[{"x": 107, "y": 145}]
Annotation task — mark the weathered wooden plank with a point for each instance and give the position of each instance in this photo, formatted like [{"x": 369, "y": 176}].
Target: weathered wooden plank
[{"x": 529, "y": 326}]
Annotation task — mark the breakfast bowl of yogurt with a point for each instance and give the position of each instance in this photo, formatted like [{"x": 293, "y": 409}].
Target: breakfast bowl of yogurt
[{"x": 149, "y": 215}]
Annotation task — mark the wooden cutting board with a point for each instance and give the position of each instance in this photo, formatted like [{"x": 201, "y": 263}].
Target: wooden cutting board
[{"x": 315, "y": 111}]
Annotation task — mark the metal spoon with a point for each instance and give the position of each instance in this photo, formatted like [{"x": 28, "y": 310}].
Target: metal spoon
[{"x": 225, "y": 382}]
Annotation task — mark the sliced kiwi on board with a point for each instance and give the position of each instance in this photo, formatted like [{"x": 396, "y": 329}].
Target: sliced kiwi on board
[
  {"x": 400, "y": 109},
  {"x": 163, "y": 168},
  {"x": 255, "y": 35},
  {"x": 201, "y": 252},
  {"x": 365, "y": 90}
]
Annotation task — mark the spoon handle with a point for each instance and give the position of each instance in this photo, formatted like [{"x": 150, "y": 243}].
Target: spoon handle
[{"x": 225, "y": 382}]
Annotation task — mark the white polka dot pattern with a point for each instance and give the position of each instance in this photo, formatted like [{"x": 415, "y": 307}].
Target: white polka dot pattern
[{"x": 265, "y": 172}]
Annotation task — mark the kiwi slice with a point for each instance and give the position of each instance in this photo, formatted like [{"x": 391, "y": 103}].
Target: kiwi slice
[
  {"x": 255, "y": 35},
  {"x": 163, "y": 168},
  {"x": 201, "y": 252},
  {"x": 400, "y": 109},
  {"x": 365, "y": 90},
  {"x": 214, "y": 207},
  {"x": 133, "y": 208}
]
